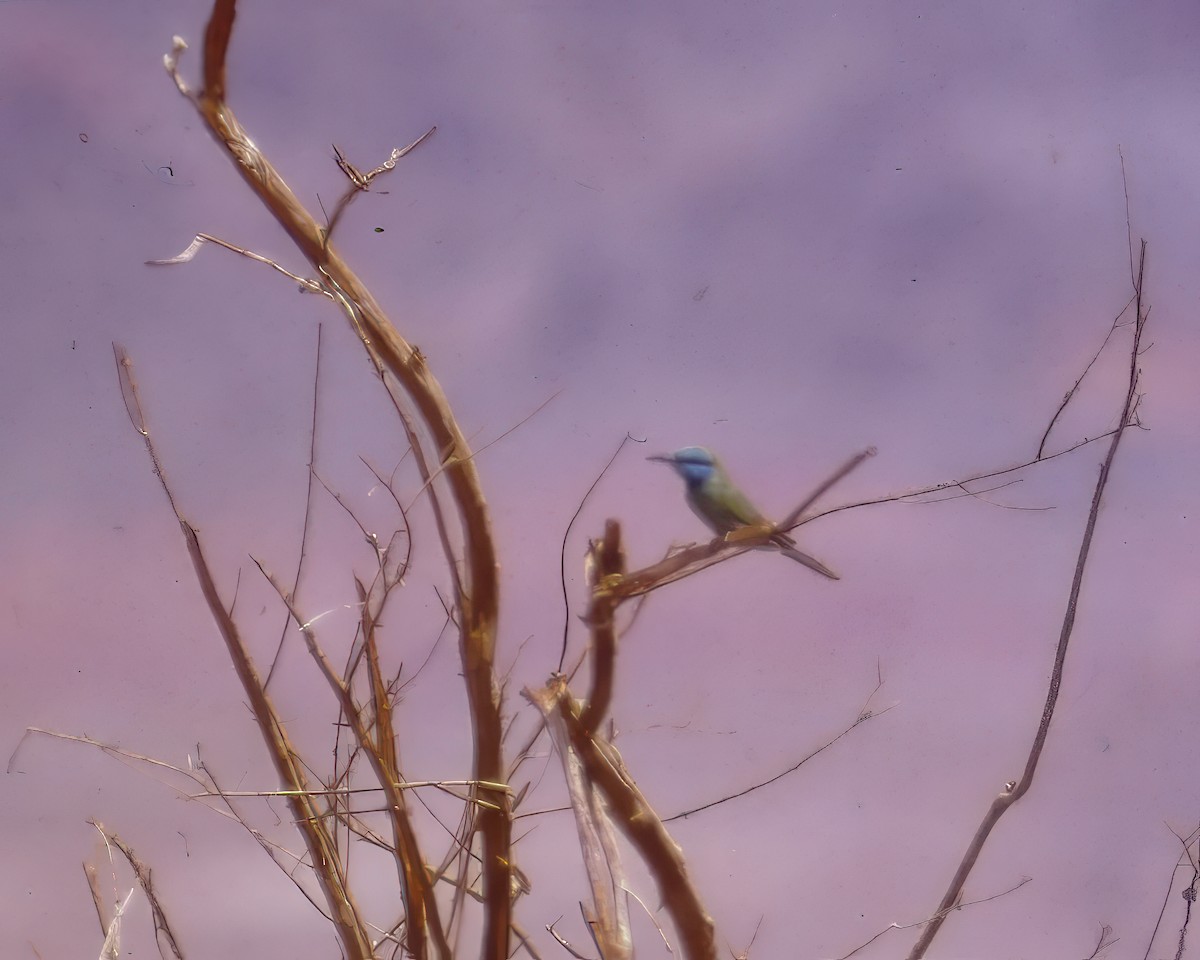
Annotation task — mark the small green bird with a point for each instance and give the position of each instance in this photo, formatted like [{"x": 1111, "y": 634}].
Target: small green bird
[{"x": 716, "y": 500}]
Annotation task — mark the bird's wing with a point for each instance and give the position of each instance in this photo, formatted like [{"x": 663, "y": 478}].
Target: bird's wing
[{"x": 723, "y": 507}]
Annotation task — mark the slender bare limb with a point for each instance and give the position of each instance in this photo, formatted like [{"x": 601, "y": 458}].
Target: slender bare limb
[
  {"x": 93, "y": 881},
  {"x": 308, "y": 505},
  {"x": 1014, "y": 790},
  {"x": 1186, "y": 861},
  {"x": 608, "y": 567},
  {"x": 958, "y": 906},
  {"x": 420, "y": 904},
  {"x": 864, "y": 715},
  {"x": 609, "y": 922},
  {"x": 478, "y": 595},
  {"x": 1069, "y": 395},
  {"x": 164, "y": 936},
  {"x": 792, "y": 519},
  {"x": 306, "y": 285},
  {"x": 565, "y": 943},
  {"x": 361, "y": 182},
  {"x": 562, "y": 568},
  {"x": 325, "y": 863},
  {"x": 1103, "y": 942}
]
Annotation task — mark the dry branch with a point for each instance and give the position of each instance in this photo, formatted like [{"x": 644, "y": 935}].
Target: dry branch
[
  {"x": 1014, "y": 790},
  {"x": 420, "y": 904},
  {"x": 321, "y": 848},
  {"x": 164, "y": 936},
  {"x": 609, "y": 921},
  {"x": 604, "y": 770},
  {"x": 478, "y": 595}
]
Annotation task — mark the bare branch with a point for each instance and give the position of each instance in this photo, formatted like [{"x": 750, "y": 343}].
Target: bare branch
[
  {"x": 164, "y": 936},
  {"x": 189, "y": 254},
  {"x": 321, "y": 848},
  {"x": 603, "y": 766},
  {"x": 562, "y": 568},
  {"x": 308, "y": 505},
  {"x": 477, "y": 597},
  {"x": 864, "y": 715},
  {"x": 1075, "y": 387},
  {"x": 597, "y": 840},
  {"x": 607, "y": 569},
  {"x": 1013, "y": 791},
  {"x": 917, "y": 923}
]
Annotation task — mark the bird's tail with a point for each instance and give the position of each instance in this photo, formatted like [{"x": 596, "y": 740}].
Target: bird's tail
[{"x": 811, "y": 562}]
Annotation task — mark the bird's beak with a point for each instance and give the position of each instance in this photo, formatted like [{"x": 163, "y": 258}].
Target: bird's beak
[{"x": 662, "y": 458}]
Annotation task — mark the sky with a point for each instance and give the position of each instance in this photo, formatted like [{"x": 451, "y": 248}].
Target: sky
[{"x": 787, "y": 232}]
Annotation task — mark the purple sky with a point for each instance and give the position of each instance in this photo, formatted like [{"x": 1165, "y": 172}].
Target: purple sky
[{"x": 784, "y": 231}]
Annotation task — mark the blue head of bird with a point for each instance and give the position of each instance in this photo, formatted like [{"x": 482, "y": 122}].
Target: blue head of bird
[{"x": 694, "y": 464}]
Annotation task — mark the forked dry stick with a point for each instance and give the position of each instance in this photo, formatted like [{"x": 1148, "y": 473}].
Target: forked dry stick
[{"x": 601, "y": 766}]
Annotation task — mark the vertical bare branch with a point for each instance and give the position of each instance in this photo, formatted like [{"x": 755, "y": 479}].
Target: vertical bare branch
[
  {"x": 608, "y": 558},
  {"x": 648, "y": 835},
  {"x": 415, "y": 885},
  {"x": 562, "y": 556},
  {"x": 421, "y": 906},
  {"x": 321, "y": 848},
  {"x": 478, "y": 595},
  {"x": 1015, "y": 790},
  {"x": 164, "y": 936},
  {"x": 597, "y": 839},
  {"x": 603, "y": 768},
  {"x": 308, "y": 504}
]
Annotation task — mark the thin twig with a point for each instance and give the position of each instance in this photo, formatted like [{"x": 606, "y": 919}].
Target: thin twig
[
  {"x": 418, "y": 896},
  {"x": 325, "y": 863},
  {"x": 562, "y": 563},
  {"x": 189, "y": 254},
  {"x": 477, "y": 595},
  {"x": 917, "y": 923},
  {"x": 1069, "y": 395},
  {"x": 641, "y": 826},
  {"x": 308, "y": 505},
  {"x": 361, "y": 182},
  {"x": 164, "y": 936},
  {"x": 607, "y": 568},
  {"x": 1015, "y": 790},
  {"x": 864, "y": 715}
]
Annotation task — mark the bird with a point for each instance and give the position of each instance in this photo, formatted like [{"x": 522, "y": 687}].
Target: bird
[{"x": 717, "y": 501}]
